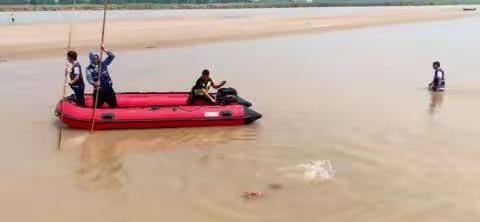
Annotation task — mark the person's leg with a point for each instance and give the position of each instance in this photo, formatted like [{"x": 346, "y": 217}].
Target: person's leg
[
  {"x": 82, "y": 97},
  {"x": 101, "y": 98},
  {"x": 114, "y": 99},
  {"x": 202, "y": 100},
  {"x": 191, "y": 99},
  {"x": 207, "y": 100},
  {"x": 111, "y": 98},
  {"x": 79, "y": 95}
]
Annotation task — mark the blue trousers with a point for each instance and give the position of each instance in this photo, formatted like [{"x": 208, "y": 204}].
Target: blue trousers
[{"x": 79, "y": 95}]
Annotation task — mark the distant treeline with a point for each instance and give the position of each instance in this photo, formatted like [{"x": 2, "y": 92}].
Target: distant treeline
[
  {"x": 90, "y": 2},
  {"x": 326, "y": 2},
  {"x": 54, "y": 5}
]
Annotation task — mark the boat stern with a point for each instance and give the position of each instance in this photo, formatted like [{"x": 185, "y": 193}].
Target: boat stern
[
  {"x": 243, "y": 102},
  {"x": 250, "y": 115}
]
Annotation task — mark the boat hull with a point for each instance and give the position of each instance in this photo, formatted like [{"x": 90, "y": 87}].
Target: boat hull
[{"x": 136, "y": 111}]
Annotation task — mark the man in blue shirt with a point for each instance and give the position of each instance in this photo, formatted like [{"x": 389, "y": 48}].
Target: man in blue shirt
[{"x": 101, "y": 83}]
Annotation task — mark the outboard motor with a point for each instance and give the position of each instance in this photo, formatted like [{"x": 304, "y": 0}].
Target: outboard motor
[{"x": 227, "y": 96}]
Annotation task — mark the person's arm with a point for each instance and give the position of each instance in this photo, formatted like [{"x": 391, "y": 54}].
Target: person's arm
[
  {"x": 206, "y": 94},
  {"x": 440, "y": 74},
  {"x": 215, "y": 86},
  {"x": 74, "y": 80},
  {"x": 90, "y": 78},
  {"x": 110, "y": 57},
  {"x": 76, "y": 71},
  {"x": 433, "y": 80}
]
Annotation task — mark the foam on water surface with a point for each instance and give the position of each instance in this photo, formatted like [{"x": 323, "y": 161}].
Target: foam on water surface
[{"x": 317, "y": 170}]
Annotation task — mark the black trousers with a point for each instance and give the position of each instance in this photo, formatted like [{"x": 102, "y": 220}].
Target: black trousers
[
  {"x": 193, "y": 98},
  {"x": 106, "y": 95},
  {"x": 79, "y": 95}
]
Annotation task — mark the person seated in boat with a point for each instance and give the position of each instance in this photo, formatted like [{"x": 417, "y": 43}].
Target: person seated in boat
[
  {"x": 101, "y": 83},
  {"x": 438, "y": 82},
  {"x": 74, "y": 70},
  {"x": 203, "y": 84}
]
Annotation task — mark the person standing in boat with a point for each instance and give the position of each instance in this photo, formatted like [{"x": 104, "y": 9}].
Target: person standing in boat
[
  {"x": 106, "y": 94},
  {"x": 438, "y": 82},
  {"x": 74, "y": 69},
  {"x": 203, "y": 84}
]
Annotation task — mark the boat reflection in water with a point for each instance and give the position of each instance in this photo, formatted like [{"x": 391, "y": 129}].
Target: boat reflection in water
[{"x": 100, "y": 158}]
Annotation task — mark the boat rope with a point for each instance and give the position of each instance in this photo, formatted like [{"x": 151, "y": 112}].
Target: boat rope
[
  {"x": 186, "y": 110},
  {"x": 105, "y": 2},
  {"x": 70, "y": 28}
]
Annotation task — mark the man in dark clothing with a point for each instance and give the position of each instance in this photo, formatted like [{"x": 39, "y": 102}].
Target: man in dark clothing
[
  {"x": 438, "y": 82},
  {"x": 203, "y": 84},
  {"x": 101, "y": 83},
  {"x": 74, "y": 69}
]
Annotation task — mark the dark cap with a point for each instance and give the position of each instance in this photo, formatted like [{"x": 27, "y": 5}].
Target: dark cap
[{"x": 205, "y": 72}]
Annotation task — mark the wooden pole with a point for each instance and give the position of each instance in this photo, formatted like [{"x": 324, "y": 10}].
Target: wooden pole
[
  {"x": 59, "y": 144},
  {"x": 99, "y": 65}
]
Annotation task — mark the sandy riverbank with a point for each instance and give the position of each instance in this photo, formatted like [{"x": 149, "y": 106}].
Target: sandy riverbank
[{"x": 35, "y": 40}]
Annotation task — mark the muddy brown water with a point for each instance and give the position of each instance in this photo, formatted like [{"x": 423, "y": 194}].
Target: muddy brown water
[{"x": 356, "y": 98}]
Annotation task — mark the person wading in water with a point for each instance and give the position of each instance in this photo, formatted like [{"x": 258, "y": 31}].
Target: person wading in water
[{"x": 438, "y": 82}]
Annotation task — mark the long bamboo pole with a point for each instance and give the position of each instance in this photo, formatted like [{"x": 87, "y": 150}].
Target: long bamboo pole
[
  {"x": 70, "y": 28},
  {"x": 105, "y": 3}
]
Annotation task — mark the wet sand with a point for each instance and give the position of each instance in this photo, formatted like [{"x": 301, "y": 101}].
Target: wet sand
[
  {"x": 356, "y": 98},
  {"x": 40, "y": 40}
]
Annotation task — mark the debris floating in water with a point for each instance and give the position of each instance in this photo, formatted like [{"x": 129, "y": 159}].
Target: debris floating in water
[
  {"x": 275, "y": 186},
  {"x": 318, "y": 170},
  {"x": 255, "y": 195}
]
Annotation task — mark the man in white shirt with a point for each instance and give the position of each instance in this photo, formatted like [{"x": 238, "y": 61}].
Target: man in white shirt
[
  {"x": 438, "y": 82},
  {"x": 74, "y": 69}
]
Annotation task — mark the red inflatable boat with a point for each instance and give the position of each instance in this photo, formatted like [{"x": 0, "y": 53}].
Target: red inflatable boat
[{"x": 154, "y": 110}]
